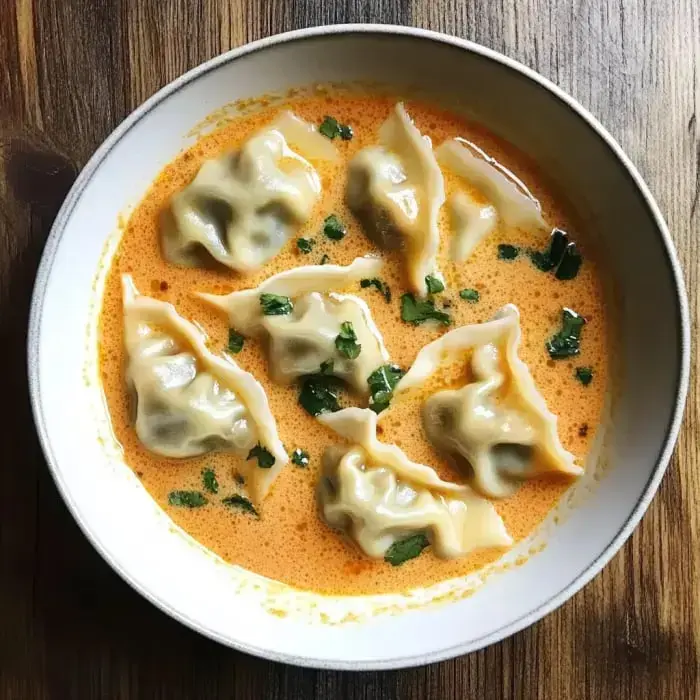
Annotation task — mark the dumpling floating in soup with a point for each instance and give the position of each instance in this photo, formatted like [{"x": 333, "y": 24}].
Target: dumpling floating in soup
[
  {"x": 242, "y": 207},
  {"x": 380, "y": 498},
  {"x": 396, "y": 190},
  {"x": 306, "y": 324},
  {"x": 497, "y": 426},
  {"x": 188, "y": 400}
]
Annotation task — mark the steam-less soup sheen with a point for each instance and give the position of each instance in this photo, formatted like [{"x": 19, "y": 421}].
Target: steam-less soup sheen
[{"x": 302, "y": 523}]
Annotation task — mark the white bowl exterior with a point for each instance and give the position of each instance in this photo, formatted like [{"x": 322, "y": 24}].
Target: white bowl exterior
[{"x": 137, "y": 538}]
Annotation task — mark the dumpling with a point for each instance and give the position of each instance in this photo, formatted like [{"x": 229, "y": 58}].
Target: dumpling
[
  {"x": 378, "y": 496},
  {"x": 241, "y": 208},
  {"x": 304, "y": 336},
  {"x": 470, "y": 223},
  {"x": 396, "y": 190},
  {"x": 497, "y": 427},
  {"x": 188, "y": 400},
  {"x": 515, "y": 206}
]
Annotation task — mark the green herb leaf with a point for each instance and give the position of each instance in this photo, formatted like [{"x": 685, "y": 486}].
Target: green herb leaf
[
  {"x": 584, "y": 375},
  {"x": 265, "y": 459},
  {"x": 381, "y": 287},
  {"x": 570, "y": 264},
  {"x": 506, "y": 251},
  {"x": 300, "y": 457},
  {"x": 346, "y": 341},
  {"x": 238, "y": 501},
  {"x": 417, "y": 311},
  {"x": 275, "y": 305},
  {"x": 330, "y": 127},
  {"x": 381, "y": 386},
  {"x": 333, "y": 228},
  {"x": 305, "y": 245},
  {"x": 470, "y": 295},
  {"x": 325, "y": 260},
  {"x": 235, "y": 341},
  {"x": 566, "y": 343},
  {"x": 209, "y": 481},
  {"x": 188, "y": 499},
  {"x": 434, "y": 284},
  {"x": 406, "y": 549},
  {"x": 319, "y": 392},
  {"x": 550, "y": 258}
]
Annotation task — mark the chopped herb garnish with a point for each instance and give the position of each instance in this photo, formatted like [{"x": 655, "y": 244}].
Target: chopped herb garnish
[
  {"x": 434, "y": 284},
  {"x": 406, "y": 549},
  {"x": 566, "y": 343},
  {"x": 382, "y": 383},
  {"x": 265, "y": 458},
  {"x": 583, "y": 430},
  {"x": 346, "y": 341},
  {"x": 319, "y": 392},
  {"x": 381, "y": 287},
  {"x": 275, "y": 305},
  {"x": 470, "y": 295},
  {"x": 570, "y": 264},
  {"x": 235, "y": 341},
  {"x": 305, "y": 245},
  {"x": 330, "y": 127},
  {"x": 333, "y": 228},
  {"x": 209, "y": 481},
  {"x": 188, "y": 499},
  {"x": 584, "y": 375},
  {"x": 325, "y": 260},
  {"x": 417, "y": 311},
  {"x": 506, "y": 251},
  {"x": 300, "y": 457},
  {"x": 238, "y": 501},
  {"x": 550, "y": 258}
]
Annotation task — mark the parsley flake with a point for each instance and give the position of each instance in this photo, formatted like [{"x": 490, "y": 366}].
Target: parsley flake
[
  {"x": 506, "y": 251},
  {"x": 408, "y": 548},
  {"x": 567, "y": 342},
  {"x": 434, "y": 284},
  {"x": 275, "y": 305},
  {"x": 417, "y": 311},
  {"x": 300, "y": 457},
  {"x": 470, "y": 295},
  {"x": 235, "y": 341},
  {"x": 305, "y": 245},
  {"x": 382, "y": 383},
  {"x": 209, "y": 480},
  {"x": 333, "y": 228},
  {"x": 346, "y": 341},
  {"x": 381, "y": 287},
  {"x": 188, "y": 499},
  {"x": 331, "y": 127},
  {"x": 265, "y": 458},
  {"x": 584, "y": 375},
  {"x": 241, "y": 502}
]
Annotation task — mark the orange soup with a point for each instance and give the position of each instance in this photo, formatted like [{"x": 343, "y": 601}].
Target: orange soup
[{"x": 289, "y": 541}]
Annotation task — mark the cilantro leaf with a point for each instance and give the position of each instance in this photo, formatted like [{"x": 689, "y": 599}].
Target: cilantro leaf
[
  {"x": 417, "y": 311},
  {"x": 235, "y": 341},
  {"x": 584, "y": 375},
  {"x": 319, "y": 392},
  {"x": 346, "y": 341},
  {"x": 333, "y": 228},
  {"x": 570, "y": 263},
  {"x": 188, "y": 499},
  {"x": 381, "y": 287},
  {"x": 408, "y": 548},
  {"x": 305, "y": 245},
  {"x": 567, "y": 342},
  {"x": 209, "y": 480},
  {"x": 275, "y": 305},
  {"x": 552, "y": 256},
  {"x": 506, "y": 251},
  {"x": 470, "y": 295},
  {"x": 238, "y": 501},
  {"x": 434, "y": 284},
  {"x": 381, "y": 386},
  {"x": 330, "y": 128},
  {"x": 300, "y": 457},
  {"x": 265, "y": 458}
]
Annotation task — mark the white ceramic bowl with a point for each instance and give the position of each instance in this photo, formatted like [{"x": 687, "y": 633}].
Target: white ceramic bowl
[{"x": 268, "y": 619}]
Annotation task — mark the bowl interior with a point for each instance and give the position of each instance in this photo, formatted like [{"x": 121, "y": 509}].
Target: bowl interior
[{"x": 175, "y": 573}]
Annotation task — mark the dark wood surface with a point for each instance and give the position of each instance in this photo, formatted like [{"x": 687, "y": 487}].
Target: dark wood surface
[{"x": 70, "y": 71}]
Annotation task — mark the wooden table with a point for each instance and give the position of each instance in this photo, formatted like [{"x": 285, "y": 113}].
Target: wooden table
[{"x": 69, "y": 626}]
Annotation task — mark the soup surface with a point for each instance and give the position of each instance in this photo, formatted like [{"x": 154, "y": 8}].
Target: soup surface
[{"x": 290, "y": 542}]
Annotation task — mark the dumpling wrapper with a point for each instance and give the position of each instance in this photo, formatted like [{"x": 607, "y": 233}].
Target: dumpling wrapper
[
  {"x": 241, "y": 208},
  {"x": 470, "y": 223},
  {"x": 515, "y": 206},
  {"x": 396, "y": 189},
  {"x": 378, "y": 505},
  {"x": 190, "y": 401},
  {"x": 299, "y": 342},
  {"x": 499, "y": 422}
]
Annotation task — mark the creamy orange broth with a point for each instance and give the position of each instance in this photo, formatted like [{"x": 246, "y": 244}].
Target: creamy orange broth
[{"x": 289, "y": 542}]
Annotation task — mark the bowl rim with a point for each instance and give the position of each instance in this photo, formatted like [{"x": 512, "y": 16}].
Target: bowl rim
[{"x": 577, "y": 110}]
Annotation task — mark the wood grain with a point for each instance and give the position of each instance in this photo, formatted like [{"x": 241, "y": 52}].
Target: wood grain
[{"x": 70, "y": 628}]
